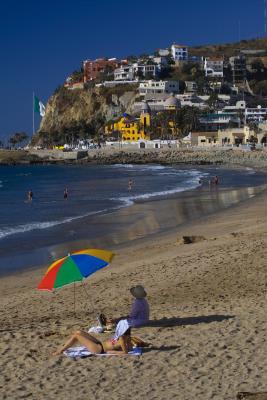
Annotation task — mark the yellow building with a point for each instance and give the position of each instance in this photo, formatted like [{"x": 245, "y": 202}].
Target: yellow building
[
  {"x": 131, "y": 128},
  {"x": 235, "y": 136},
  {"x": 226, "y": 137}
]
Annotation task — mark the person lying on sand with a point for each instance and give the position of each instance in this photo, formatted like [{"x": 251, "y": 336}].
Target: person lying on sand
[
  {"x": 139, "y": 314},
  {"x": 119, "y": 344}
]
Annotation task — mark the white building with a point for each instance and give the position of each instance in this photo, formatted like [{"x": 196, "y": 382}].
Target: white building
[
  {"x": 179, "y": 52},
  {"x": 191, "y": 100},
  {"x": 124, "y": 73},
  {"x": 115, "y": 83},
  {"x": 164, "y": 52},
  {"x": 213, "y": 67},
  {"x": 160, "y": 61},
  {"x": 158, "y": 102},
  {"x": 258, "y": 114},
  {"x": 130, "y": 72},
  {"x": 239, "y": 107},
  {"x": 145, "y": 69},
  {"x": 152, "y": 86},
  {"x": 155, "y": 101},
  {"x": 215, "y": 121},
  {"x": 190, "y": 86}
]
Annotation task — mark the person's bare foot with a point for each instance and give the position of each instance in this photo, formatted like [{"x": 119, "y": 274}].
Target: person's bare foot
[{"x": 56, "y": 353}]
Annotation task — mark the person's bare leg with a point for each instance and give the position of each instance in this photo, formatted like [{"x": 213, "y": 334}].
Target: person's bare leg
[
  {"x": 90, "y": 342},
  {"x": 68, "y": 344},
  {"x": 85, "y": 339}
]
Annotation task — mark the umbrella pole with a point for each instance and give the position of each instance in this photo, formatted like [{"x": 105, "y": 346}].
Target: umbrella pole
[
  {"x": 74, "y": 298},
  {"x": 89, "y": 298}
]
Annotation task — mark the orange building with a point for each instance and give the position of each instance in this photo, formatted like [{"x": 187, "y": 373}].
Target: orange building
[{"x": 93, "y": 68}]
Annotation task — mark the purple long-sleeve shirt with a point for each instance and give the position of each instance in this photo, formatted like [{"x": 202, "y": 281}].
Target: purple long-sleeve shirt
[{"x": 139, "y": 314}]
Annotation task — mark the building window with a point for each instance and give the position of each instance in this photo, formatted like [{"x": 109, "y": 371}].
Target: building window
[{"x": 145, "y": 122}]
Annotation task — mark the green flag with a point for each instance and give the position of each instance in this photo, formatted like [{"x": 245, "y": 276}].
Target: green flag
[{"x": 39, "y": 108}]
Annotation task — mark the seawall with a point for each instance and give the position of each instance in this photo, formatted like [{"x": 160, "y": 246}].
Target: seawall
[{"x": 109, "y": 155}]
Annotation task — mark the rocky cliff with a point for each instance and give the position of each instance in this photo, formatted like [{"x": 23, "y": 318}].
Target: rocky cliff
[{"x": 83, "y": 112}]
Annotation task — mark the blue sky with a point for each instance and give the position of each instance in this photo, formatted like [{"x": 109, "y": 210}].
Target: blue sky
[{"x": 41, "y": 43}]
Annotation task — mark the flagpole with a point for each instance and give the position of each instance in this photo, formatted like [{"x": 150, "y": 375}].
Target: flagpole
[{"x": 32, "y": 113}]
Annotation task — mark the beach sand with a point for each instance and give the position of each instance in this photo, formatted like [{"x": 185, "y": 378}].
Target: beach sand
[{"x": 208, "y": 304}]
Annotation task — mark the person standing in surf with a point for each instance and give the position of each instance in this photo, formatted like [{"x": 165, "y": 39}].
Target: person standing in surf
[
  {"x": 130, "y": 184},
  {"x": 30, "y": 195}
]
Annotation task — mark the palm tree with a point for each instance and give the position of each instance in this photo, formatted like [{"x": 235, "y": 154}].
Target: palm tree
[
  {"x": 17, "y": 138},
  {"x": 190, "y": 119}
]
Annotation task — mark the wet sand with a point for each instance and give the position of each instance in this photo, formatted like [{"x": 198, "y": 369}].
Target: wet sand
[
  {"x": 138, "y": 222},
  {"x": 208, "y": 306}
]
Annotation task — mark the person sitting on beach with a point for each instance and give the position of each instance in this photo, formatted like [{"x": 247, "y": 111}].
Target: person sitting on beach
[
  {"x": 119, "y": 344},
  {"x": 139, "y": 314}
]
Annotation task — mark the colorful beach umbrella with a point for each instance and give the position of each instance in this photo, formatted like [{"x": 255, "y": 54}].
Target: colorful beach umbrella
[{"x": 74, "y": 268}]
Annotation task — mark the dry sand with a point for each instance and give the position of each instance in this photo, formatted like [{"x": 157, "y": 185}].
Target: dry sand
[{"x": 208, "y": 300}]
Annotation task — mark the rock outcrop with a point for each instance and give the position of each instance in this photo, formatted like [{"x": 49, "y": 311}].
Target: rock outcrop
[{"x": 83, "y": 110}]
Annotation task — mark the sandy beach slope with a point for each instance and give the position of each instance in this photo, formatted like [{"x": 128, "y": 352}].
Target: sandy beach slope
[{"x": 208, "y": 303}]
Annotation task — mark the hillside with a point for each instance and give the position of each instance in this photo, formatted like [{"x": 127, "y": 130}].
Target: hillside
[
  {"x": 82, "y": 113},
  {"x": 229, "y": 49}
]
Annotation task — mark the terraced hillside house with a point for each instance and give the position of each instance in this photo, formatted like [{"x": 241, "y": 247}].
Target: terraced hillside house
[
  {"x": 136, "y": 71},
  {"x": 238, "y": 68},
  {"x": 216, "y": 121},
  {"x": 124, "y": 73},
  {"x": 152, "y": 87},
  {"x": 213, "y": 67},
  {"x": 179, "y": 52},
  {"x": 92, "y": 69}
]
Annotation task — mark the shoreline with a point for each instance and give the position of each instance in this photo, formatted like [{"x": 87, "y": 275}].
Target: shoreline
[
  {"x": 142, "y": 221},
  {"x": 110, "y": 156},
  {"x": 168, "y": 233}
]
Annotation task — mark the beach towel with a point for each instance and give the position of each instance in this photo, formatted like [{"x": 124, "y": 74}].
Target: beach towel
[
  {"x": 99, "y": 329},
  {"x": 82, "y": 352},
  {"x": 96, "y": 329}
]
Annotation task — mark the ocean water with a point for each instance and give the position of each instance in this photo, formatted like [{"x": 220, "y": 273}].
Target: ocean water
[{"x": 93, "y": 192}]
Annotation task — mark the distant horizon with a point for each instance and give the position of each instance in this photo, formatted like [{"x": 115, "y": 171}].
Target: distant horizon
[{"x": 41, "y": 46}]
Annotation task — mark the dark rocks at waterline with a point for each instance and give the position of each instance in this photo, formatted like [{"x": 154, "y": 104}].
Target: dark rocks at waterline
[
  {"x": 109, "y": 156},
  {"x": 178, "y": 156}
]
